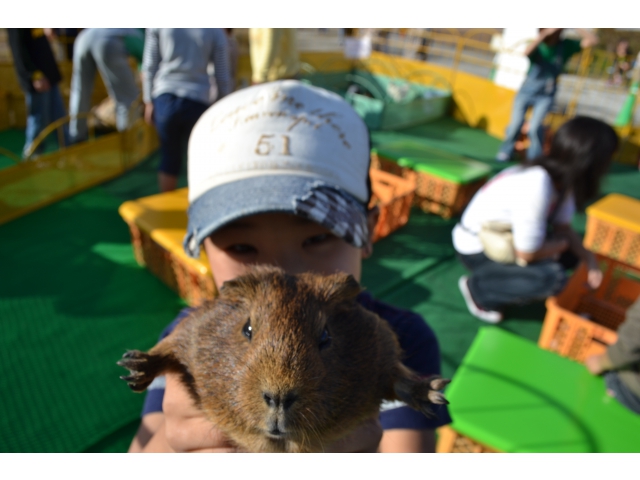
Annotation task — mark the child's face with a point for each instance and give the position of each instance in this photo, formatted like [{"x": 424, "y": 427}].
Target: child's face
[{"x": 290, "y": 242}]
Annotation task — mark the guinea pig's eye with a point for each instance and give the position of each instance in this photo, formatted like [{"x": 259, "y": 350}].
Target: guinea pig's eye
[
  {"x": 325, "y": 339},
  {"x": 246, "y": 330}
]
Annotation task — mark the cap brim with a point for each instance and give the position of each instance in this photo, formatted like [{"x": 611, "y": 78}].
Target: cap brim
[{"x": 232, "y": 201}]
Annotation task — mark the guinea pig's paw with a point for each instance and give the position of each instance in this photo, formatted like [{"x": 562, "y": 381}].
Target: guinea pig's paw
[
  {"x": 420, "y": 394},
  {"x": 436, "y": 384},
  {"x": 141, "y": 371}
]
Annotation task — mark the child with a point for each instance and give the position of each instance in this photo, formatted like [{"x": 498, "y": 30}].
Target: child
[
  {"x": 532, "y": 199},
  {"x": 278, "y": 174}
]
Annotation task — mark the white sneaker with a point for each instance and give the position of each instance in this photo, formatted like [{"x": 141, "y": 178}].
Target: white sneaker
[{"x": 489, "y": 316}]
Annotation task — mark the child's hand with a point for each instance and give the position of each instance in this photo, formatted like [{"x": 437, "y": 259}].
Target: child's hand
[
  {"x": 593, "y": 364},
  {"x": 186, "y": 428},
  {"x": 594, "y": 274}
]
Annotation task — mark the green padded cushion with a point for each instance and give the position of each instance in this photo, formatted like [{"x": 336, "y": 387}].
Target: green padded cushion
[
  {"x": 511, "y": 395},
  {"x": 422, "y": 158}
]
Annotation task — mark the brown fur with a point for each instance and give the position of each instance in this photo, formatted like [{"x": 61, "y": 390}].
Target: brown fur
[{"x": 283, "y": 380}]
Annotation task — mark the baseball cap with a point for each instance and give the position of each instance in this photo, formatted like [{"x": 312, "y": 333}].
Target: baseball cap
[{"x": 282, "y": 146}]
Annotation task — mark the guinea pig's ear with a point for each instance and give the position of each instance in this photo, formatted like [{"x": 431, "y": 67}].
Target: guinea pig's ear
[{"x": 341, "y": 286}]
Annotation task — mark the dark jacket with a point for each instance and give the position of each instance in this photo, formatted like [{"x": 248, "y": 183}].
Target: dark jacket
[{"x": 32, "y": 55}]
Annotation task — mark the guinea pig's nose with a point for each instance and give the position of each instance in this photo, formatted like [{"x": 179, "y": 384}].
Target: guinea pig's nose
[{"x": 275, "y": 401}]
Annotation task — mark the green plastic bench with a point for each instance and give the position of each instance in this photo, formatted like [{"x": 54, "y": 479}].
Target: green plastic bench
[{"x": 512, "y": 396}]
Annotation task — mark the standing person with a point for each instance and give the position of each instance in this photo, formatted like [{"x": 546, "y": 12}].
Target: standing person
[
  {"x": 274, "y": 54},
  {"x": 175, "y": 87},
  {"x": 548, "y": 54},
  {"x": 39, "y": 77},
  {"x": 234, "y": 54},
  {"x": 620, "y": 364},
  {"x": 621, "y": 64},
  {"x": 279, "y": 175},
  {"x": 533, "y": 199},
  {"x": 103, "y": 50}
]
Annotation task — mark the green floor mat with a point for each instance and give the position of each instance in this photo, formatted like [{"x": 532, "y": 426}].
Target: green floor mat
[
  {"x": 12, "y": 140},
  {"x": 73, "y": 300}
]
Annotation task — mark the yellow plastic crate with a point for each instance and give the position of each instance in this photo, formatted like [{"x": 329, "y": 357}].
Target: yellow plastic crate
[
  {"x": 158, "y": 224},
  {"x": 613, "y": 228}
]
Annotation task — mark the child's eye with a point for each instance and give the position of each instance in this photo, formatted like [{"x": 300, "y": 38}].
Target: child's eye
[
  {"x": 317, "y": 239},
  {"x": 241, "y": 248}
]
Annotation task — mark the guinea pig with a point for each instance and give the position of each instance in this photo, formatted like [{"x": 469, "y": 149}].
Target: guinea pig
[{"x": 286, "y": 363}]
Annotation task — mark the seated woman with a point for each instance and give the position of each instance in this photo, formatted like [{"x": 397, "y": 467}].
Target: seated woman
[{"x": 537, "y": 200}]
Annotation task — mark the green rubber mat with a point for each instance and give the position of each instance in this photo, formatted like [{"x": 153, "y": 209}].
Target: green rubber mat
[
  {"x": 73, "y": 300},
  {"x": 12, "y": 140}
]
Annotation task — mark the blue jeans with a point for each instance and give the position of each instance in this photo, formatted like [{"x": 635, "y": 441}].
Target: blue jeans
[
  {"x": 103, "y": 50},
  {"x": 495, "y": 286},
  {"x": 174, "y": 118},
  {"x": 621, "y": 392},
  {"x": 43, "y": 108},
  {"x": 541, "y": 103}
]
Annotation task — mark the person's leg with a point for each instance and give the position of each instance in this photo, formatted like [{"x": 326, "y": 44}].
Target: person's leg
[
  {"x": 541, "y": 107},
  {"x": 82, "y": 78},
  {"x": 58, "y": 111},
  {"x": 495, "y": 286},
  {"x": 187, "y": 114},
  {"x": 36, "y": 118},
  {"x": 167, "y": 122},
  {"x": 112, "y": 60},
  {"x": 618, "y": 390},
  {"x": 520, "y": 104},
  {"x": 473, "y": 261}
]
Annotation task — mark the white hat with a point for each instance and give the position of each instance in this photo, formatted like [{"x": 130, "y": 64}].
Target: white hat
[{"x": 279, "y": 147}]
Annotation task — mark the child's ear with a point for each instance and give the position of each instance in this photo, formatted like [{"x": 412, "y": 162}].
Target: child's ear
[{"x": 373, "y": 214}]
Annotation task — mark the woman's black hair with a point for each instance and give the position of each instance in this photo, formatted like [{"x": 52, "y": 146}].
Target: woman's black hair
[{"x": 580, "y": 154}]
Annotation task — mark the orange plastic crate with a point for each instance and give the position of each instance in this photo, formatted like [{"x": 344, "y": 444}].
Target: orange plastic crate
[
  {"x": 433, "y": 194},
  {"x": 582, "y": 322},
  {"x": 613, "y": 228},
  {"x": 393, "y": 195},
  {"x": 450, "y": 441}
]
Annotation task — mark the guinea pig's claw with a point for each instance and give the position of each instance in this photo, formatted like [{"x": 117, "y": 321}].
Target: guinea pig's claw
[
  {"x": 437, "y": 398},
  {"x": 421, "y": 394},
  {"x": 438, "y": 383},
  {"x": 138, "y": 364}
]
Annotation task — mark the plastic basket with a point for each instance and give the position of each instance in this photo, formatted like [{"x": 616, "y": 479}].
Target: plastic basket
[
  {"x": 393, "y": 195},
  {"x": 157, "y": 225},
  {"x": 433, "y": 194},
  {"x": 613, "y": 228},
  {"x": 582, "y": 322},
  {"x": 450, "y": 441}
]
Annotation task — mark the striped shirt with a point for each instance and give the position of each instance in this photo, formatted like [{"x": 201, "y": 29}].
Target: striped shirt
[{"x": 175, "y": 61}]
